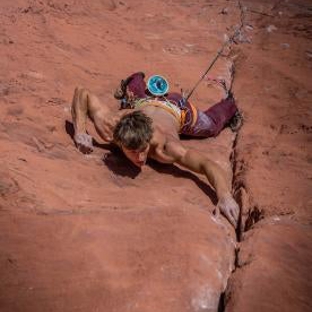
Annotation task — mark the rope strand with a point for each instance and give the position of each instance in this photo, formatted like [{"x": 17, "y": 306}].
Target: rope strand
[{"x": 229, "y": 40}]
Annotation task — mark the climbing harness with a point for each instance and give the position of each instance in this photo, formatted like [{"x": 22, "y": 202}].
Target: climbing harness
[{"x": 163, "y": 103}]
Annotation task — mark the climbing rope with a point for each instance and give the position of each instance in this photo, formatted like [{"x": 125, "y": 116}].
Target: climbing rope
[{"x": 228, "y": 41}]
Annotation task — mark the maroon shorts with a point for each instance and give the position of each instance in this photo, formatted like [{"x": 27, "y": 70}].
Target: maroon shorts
[{"x": 210, "y": 122}]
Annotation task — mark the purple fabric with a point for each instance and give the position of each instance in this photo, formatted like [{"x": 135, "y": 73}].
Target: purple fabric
[
  {"x": 137, "y": 85},
  {"x": 220, "y": 114},
  {"x": 209, "y": 123}
]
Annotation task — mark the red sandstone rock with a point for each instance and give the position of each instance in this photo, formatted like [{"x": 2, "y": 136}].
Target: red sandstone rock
[
  {"x": 83, "y": 234},
  {"x": 274, "y": 268}
]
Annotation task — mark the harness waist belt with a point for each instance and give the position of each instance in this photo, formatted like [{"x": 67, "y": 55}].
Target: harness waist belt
[{"x": 174, "y": 110}]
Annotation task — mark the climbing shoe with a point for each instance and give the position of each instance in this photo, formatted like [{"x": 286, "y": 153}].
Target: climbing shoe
[{"x": 236, "y": 121}]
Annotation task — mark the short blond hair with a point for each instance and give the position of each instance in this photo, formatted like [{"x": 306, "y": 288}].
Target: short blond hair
[{"x": 134, "y": 130}]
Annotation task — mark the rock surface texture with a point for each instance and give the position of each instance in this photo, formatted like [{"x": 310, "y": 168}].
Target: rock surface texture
[{"x": 89, "y": 232}]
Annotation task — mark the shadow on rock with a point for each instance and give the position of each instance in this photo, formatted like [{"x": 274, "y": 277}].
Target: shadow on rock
[
  {"x": 69, "y": 128},
  {"x": 180, "y": 173},
  {"x": 117, "y": 162},
  {"x": 185, "y": 137},
  {"x": 114, "y": 159}
]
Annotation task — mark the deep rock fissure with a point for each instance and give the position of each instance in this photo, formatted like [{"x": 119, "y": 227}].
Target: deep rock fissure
[
  {"x": 236, "y": 187},
  {"x": 253, "y": 212},
  {"x": 222, "y": 299},
  {"x": 221, "y": 306}
]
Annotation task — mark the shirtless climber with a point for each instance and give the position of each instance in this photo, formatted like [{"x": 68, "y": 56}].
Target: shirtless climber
[{"x": 149, "y": 126}]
